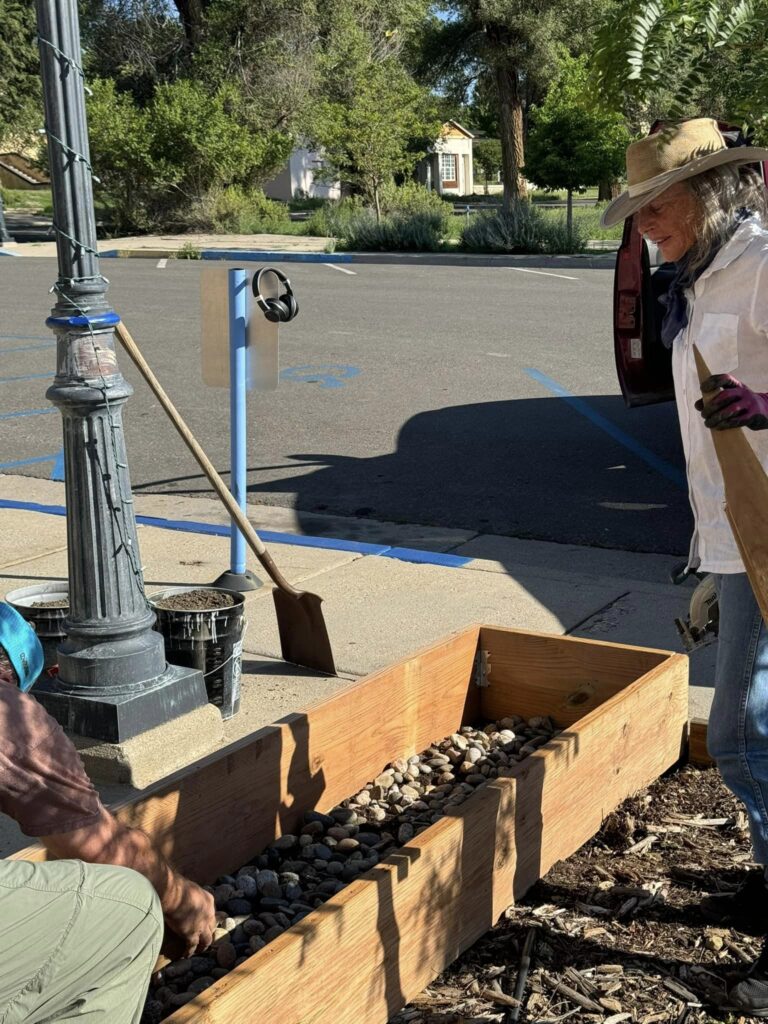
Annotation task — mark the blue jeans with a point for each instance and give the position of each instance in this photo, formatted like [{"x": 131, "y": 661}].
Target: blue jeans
[{"x": 737, "y": 736}]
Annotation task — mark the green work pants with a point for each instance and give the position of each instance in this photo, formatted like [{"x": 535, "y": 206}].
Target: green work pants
[{"x": 77, "y": 942}]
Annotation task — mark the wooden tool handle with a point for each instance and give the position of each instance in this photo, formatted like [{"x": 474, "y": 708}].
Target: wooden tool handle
[{"x": 203, "y": 461}]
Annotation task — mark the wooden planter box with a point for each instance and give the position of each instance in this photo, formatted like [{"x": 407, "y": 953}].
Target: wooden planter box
[{"x": 361, "y": 956}]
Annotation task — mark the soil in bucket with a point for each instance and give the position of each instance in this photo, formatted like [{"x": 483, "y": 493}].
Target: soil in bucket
[{"x": 203, "y": 629}]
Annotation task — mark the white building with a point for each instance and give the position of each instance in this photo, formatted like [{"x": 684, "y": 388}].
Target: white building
[
  {"x": 448, "y": 169},
  {"x": 298, "y": 177}
]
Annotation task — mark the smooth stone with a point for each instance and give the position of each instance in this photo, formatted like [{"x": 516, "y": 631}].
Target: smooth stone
[
  {"x": 238, "y": 906},
  {"x": 405, "y": 833},
  {"x": 182, "y": 998},
  {"x": 247, "y": 886},
  {"x": 284, "y": 843},
  {"x": 177, "y": 968},
  {"x": 253, "y": 927},
  {"x": 257, "y": 943},
  {"x": 201, "y": 984},
  {"x": 272, "y": 933},
  {"x": 226, "y": 954},
  {"x": 325, "y": 819}
]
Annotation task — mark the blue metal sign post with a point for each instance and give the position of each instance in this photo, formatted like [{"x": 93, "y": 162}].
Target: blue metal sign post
[{"x": 238, "y": 577}]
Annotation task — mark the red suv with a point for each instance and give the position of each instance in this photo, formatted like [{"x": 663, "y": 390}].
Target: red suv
[{"x": 643, "y": 364}]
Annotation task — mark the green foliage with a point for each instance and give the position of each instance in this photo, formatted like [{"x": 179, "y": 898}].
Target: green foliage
[
  {"x": 486, "y": 155},
  {"x": 691, "y": 57},
  {"x": 188, "y": 251},
  {"x": 20, "y": 92},
  {"x": 157, "y": 162},
  {"x": 414, "y": 232},
  {"x": 412, "y": 197},
  {"x": 334, "y": 217},
  {"x": 239, "y": 210},
  {"x": 379, "y": 131},
  {"x": 571, "y": 145},
  {"x": 523, "y": 229}
]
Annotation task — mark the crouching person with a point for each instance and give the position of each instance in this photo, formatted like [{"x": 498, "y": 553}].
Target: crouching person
[{"x": 79, "y": 935}]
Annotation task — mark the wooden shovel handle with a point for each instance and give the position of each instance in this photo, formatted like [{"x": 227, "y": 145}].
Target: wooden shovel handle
[{"x": 204, "y": 462}]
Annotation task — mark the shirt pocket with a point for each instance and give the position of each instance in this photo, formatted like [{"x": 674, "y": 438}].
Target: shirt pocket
[{"x": 718, "y": 341}]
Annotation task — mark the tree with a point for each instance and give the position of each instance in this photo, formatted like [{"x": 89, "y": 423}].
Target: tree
[
  {"x": 513, "y": 45},
  {"x": 487, "y": 155},
  {"x": 684, "y": 58},
  {"x": 156, "y": 162},
  {"x": 571, "y": 145},
  {"x": 20, "y": 91},
  {"x": 381, "y": 131}
]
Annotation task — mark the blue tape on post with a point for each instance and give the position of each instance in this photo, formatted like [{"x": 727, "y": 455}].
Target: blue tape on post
[{"x": 103, "y": 320}]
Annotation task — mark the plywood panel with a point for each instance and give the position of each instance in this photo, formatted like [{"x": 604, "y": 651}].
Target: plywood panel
[
  {"x": 566, "y": 677},
  {"x": 241, "y": 799},
  {"x": 373, "y": 947}
]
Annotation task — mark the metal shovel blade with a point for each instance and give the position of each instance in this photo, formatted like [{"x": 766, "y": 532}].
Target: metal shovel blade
[{"x": 303, "y": 632}]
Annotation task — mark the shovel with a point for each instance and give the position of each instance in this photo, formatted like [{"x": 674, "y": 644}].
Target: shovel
[{"x": 303, "y": 633}]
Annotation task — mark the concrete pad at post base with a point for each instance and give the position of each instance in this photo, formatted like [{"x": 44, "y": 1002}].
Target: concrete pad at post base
[
  {"x": 379, "y": 610},
  {"x": 155, "y": 754}
]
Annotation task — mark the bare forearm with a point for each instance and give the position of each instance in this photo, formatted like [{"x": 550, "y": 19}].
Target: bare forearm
[{"x": 113, "y": 843}]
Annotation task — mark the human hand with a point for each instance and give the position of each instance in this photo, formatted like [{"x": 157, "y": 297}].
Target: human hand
[
  {"x": 735, "y": 406},
  {"x": 189, "y": 912}
]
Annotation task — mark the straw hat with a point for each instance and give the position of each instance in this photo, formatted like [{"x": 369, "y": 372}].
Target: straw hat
[{"x": 664, "y": 158}]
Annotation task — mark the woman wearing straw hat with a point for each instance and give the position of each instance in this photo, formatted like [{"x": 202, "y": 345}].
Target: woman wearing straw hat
[{"x": 707, "y": 213}]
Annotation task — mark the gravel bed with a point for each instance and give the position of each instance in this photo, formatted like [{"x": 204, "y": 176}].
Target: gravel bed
[{"x": 298, "y": 873}]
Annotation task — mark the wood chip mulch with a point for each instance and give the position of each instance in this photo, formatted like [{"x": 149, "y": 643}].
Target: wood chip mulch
[{"x": 617, "y": 931}]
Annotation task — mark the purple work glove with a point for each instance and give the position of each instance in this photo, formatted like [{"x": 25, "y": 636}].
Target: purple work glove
[{"x": 735, "y": 406}]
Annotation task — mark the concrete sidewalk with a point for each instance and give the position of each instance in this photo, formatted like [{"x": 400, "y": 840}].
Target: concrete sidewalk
[{"x": 420, "y": 585}]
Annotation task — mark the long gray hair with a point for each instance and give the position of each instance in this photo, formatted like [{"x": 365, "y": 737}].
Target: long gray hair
[{"x": 721, "y": 194}]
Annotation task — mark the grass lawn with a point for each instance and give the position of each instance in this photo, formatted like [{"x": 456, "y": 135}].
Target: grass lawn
[{"x": 29, "y": 200}]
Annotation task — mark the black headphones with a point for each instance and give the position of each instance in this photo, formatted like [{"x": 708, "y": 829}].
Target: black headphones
[{"x": 281, "y": 310}]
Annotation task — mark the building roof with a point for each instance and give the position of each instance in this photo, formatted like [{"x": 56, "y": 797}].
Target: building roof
[{"x": 455, "y": 126}]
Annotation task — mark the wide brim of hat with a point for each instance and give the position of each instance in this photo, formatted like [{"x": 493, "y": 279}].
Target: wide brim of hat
[{"x": 625, "y": 204}]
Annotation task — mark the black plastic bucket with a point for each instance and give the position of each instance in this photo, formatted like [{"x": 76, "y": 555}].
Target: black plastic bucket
[
  {"x": 48, "y": 620},
  {"x": 208, "y": 639}
]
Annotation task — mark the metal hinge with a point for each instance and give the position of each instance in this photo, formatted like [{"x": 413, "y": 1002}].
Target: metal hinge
[{"x": 482, "y": 668}]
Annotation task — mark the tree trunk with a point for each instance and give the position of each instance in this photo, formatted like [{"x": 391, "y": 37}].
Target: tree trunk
[
  {"x": 191, "y": 14},
  {"x": 486, "y": 183},
  {"x": 608, "y": 189},
  {"x": 569, "y": 214},
  {"x": 511, "y": 130},
  {"x": 377, "y": 203}
]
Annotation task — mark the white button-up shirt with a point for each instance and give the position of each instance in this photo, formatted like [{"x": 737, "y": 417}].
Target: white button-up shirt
[{"x": 728, "y": 322}]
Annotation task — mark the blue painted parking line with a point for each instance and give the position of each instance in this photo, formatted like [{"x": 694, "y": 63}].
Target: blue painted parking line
[
  {"x": 26, "y": 376},
  {"x": 27, "y": 412},
  {"x": 27, "y": 462},
  {"x": 57, "y": 473},
  {"x": 582, "y": 406},
  {"x": 270, "y": 536}
]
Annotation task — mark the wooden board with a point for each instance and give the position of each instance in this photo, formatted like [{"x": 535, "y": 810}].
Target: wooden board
[
  {"x": 746, "y": 496},
  {"x": 377, "y": 944},
  {"x": 248, "y": 795},
  {"x": 697, "y": 744},
  {"x": 362, "y": 955},
  {"x": 566, "y": 677}
]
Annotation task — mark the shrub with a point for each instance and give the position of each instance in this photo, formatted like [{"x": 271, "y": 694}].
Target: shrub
[
  {"x": 416, "y": 232},
  {"x": 523, "y": 230},
  {"x": 334, "y": 217},
  {"x": 238, "y": 210}
]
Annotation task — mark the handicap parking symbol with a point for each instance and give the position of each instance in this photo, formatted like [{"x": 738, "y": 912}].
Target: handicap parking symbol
[{"x": 327, "y": 375}]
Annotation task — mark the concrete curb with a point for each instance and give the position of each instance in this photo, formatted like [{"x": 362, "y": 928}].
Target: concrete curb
[
  {"x": 590, "y": 261},
  {"x": 246, "y": 255}
]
